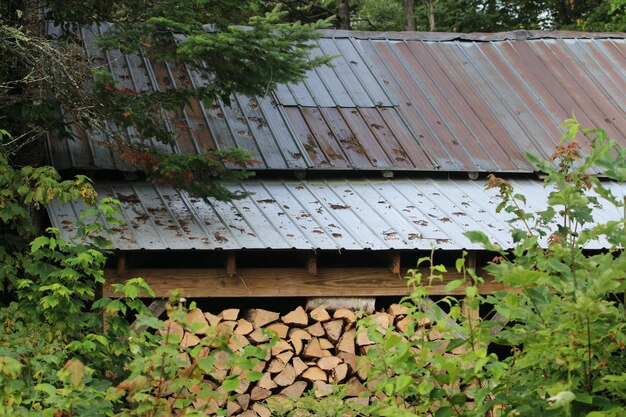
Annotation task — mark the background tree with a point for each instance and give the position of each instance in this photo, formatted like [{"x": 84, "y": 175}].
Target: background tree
[
  {"x": 478, "y": 15},
  {"x": 40, "y": 76}
]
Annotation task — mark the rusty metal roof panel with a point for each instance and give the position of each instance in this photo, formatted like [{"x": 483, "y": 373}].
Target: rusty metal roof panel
[
  {"x": 309, "y": 215},
  {"x": 395, "y": 101}
]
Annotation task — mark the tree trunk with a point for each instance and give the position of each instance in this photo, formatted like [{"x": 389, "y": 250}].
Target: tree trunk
[
  {"x": 409, "y": 15},
  {"x": 343, "y": 14},
  {"x": 431, "y": 15}
]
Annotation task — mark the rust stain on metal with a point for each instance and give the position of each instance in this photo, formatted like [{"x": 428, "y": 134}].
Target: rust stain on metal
[
  {"x": 128, "y": 198},
  {"x": 219, "y": 237}
]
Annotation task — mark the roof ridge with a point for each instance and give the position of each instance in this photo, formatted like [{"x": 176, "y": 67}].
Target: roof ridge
[{"x": 518, "y": 35}]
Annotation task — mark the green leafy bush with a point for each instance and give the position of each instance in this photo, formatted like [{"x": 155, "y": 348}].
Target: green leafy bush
[
  {"x": 561, "y": 319},
  {"x": 57, "y": 359}
]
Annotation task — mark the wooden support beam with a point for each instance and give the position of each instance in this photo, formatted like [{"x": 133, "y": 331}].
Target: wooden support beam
[
  {"x": 311, "y": 263},
  {"x": 156, "y": 307},
  {"x": 470, "y": 264},
  {"x": 282, "y": 282},
  {"x": 394, "y": 262},
  {"x": 121, "y": 264},
  {"x": 231, "y": 264}
]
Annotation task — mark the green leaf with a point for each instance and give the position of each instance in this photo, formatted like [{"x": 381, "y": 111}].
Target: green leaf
[
  {"x": 76, "y": 370},
  {"x": 231, "y": 383},
  {"x": 445, "y": 411},
  {"x": 254, "y": 376},
  {"x": 561, "y": 399},
  {"x": 453, "y": 285},
  {"x": 402, "y": 383}
]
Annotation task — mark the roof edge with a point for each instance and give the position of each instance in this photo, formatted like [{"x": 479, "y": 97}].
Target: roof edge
[{"x": 517, "y": 35}]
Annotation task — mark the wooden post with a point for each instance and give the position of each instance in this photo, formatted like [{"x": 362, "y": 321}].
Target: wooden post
[
  {"x": 121, "y": 264},
  {"x": 231, "y": 264},
  {"x": 470, "y": 263},
  {"x": 121, "y": 274},
  {"x": 394, "y": 262},
  {"x": 311, "y": 263}
]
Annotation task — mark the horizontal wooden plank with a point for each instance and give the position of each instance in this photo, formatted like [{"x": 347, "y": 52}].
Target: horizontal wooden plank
[{"x": 279, "y": 282}]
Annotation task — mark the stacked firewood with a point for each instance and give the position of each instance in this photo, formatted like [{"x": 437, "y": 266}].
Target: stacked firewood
[{"x": 314, "y": 350}]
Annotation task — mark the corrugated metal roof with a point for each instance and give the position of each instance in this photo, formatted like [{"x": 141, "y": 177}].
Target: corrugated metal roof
[
  {"x": 402, "y": 101},
  {"x": 338, "y": 214}
]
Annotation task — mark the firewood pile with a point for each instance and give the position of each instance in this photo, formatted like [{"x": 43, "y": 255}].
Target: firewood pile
[{"x": 314, "y": 350}]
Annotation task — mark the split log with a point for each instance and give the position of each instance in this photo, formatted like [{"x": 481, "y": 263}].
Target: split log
[
  {"x": 354, "y": 387},
  {"x": 244, "y": 384},
  {"x": 258, "y": 393},
  {"x": 212, "y": 319},
  {"x": 346, "y": 343},
  {"x": 230, "y": 314},
  {"x": 286, "y": 377},
  {"x": 325, "y": 344},
  {"x": 196, "y": 322},
  {"x": 298, "y": 365},
  {"x": 345, "y": 314},
  {"x": 261, "y": 410},
  {"x": 260, "y": 317},
  {"x": 313, "y": 349},
  {"x": 362, "y": 339},
  {"x": 397, "y": 310},
  {"x": 316, "y": 330},
  {"x": 209, "y": 407},
  {"x": 406, "y": 324},
  {"x": 314, "y": 373},
  {"x": 329, "y": 363},
  {"x": 382, "y": 321},
  {"x": 249, "y": 413},
  {"x": 297, "y": 346},
  {"x": 237, "y": 342},
  {"x": 299, "y": 334},
  {"x": 244, "y": 401},
  {"x": 189, "y": 340},
  {"x": 281, "y": 346},
  {"x": 286, "y": 356},
  {"x": 244, "y": 327},
  {"x": 232, "y": 407},
  {"x": 297, "y": 317},
  {"x": 322, "y": 389},
  {"x": 280, "y": 329},
  {"x": 320, "y": 314},
  {"x": 349, "y": 359},
  {"x": 295, "y": 390},
  {"x": 340, "y": 373},
  {"x": 259, "y": 366},
  {"x": 266, "y": 382},
  {"x": 225, "y": 328},
  {"x": 276, "y": 366},
  {"x": 333, "y": 329},
  {"x": 258, "y": 336},
  {"x": 172, "y": 329},
  {"x": 219, "y": 374}
]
